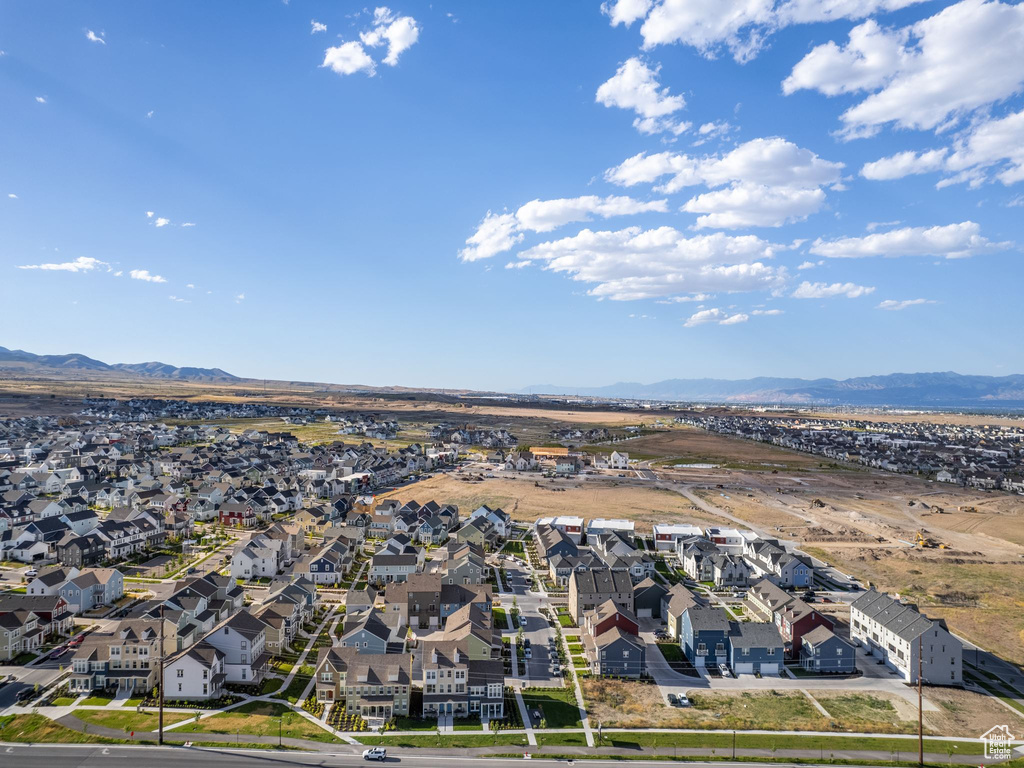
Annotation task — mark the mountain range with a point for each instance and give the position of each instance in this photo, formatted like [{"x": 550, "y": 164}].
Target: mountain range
[
  {"x": 941, "y": 390},
  {"x": 27, "y": 362}
]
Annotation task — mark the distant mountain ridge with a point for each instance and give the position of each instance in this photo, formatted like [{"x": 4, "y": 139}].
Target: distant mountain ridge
[
  {"x": 941, "y": 389},
  {"x": 27, "y": 361}
]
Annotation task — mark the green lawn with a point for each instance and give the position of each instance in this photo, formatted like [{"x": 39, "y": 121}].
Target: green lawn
[
  {"x": 294, "y": 689},
  {"x": 446, "y": 740},
  {"x": 129, "y": 720},
  {"x": 499, "y": 618},
  {"x": 557, "y": 706},
  {"x": 723, "y": 741},
  {"x": 36, "y": 729},
  {"x": 671, "y": 651},
  {"x": 63, "y": 701},
  {"x": 566, "y": 620},
  {"x": 271, "y": 684},
  {"x": 414, "y": 724},
  {"x": 561, "y": 739},
  {"x": 99, "y": 699},
  {"x": 260, "y": 718}
]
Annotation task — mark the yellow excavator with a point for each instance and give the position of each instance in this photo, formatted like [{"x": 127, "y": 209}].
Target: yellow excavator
[{"x": 924, "y": 542}]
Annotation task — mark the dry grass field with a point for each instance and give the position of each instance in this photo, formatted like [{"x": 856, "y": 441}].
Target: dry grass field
[{"x": 528, "y": 497}]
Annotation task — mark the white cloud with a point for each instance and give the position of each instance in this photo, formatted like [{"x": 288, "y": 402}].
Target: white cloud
[
  {"x": 119, "y": 273},
  {"x": 808, "y": 290},
  {"x": 316, "y": 26},
  {"x": 715, "y": 315},
  {"x": 767, "y": 312},
  {"x": 149, "y": 114},
  {"x": 190, "y": 285},
  {"x": 633, "y": 263},
  {"x": 626, "y": 11},
  {"x": 710, "y": 131},
  {"x": 12, "y": 196},
  {"x": 952, "y": 241},
  {"x": 695, "y": 298},
  {"x": 767, "y": 161},
  {"x": 635, "y": 86},
  {"x": 177, "y": 298},
  {"x": 518, "y": 264},
  {"x": 149, "y": 214},
  {"x": 162, "y": 222},
  {"x": 808, "y": 265},
  {"x": 873, "y": 225},
  {"x": 754, "y": 205},
  {"x": 188, "y": 224},
  {"x": 81, "y": 264},
  {"x": 995, "y": 145},
  {"x": 41, "y": 99},
  {"x": 93, "y": 37},
  {"x": 926, "y": 76},
  {"x": 742, "y": 26},
  {"x": 238, "y": 299},
  {"x": 497, "y": 233},
  {"x": 894, "y": 306},
  {"x": 546, "y": 215},
  {"x": 143, "y": 274},
  {"x": 399, "y": 33},
  {"x": 349, "y": 58}
]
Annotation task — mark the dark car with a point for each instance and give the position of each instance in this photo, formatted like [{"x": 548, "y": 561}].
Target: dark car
[{"x": 25, "y": 694}]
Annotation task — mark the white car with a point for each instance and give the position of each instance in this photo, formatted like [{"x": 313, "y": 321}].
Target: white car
[
  {"x": 528, "y": 653},
  {"x": 724, "y": 670},
  {"x": 375, "y": 753},
  {"x": 31, "y": 573}
]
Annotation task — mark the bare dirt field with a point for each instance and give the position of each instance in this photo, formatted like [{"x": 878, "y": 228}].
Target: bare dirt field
[
  {"x": 529, "y": 496},
  {"x": 627, "y": 704},
  {"x": 687, "y": 445}
]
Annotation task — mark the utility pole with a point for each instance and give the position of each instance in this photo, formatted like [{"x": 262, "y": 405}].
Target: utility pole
[
  {"x": 920, "y": 711},
  {"x": 160, "y": 678}
]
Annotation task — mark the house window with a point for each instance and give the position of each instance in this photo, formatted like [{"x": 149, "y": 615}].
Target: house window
[{"x": 771, "y": 651}]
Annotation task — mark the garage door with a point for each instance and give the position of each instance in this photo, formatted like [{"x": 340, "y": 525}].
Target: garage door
[
  {"x": 769, "y": 669},
  {"x": 643, "y": 613},
  {"x": 745, "y": 667}
]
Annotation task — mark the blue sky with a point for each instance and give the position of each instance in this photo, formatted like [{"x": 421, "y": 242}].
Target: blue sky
[{"x": 224, "y": 185}]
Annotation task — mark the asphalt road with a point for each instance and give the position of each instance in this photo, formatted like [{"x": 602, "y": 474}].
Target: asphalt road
[{"x": 74, "y": 756}]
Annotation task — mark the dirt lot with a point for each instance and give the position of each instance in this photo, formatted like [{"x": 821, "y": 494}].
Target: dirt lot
[
  {"x": 637, "y": 705},
  {"x": 529, "y": 496},
  {"x": 686, "y": 445}
]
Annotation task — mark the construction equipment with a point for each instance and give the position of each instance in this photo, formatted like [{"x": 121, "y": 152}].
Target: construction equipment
[{"x": 921, "y": 541}]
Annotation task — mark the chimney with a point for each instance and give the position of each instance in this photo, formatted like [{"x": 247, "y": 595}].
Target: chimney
[{"x": 433, "y": 656}]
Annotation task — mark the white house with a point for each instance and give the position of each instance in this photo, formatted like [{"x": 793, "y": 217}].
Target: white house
[
  {"x": 898, "y": 634},
  {"x": 242, "y": 639},
  {"x": 195, "y": 673},
  {"x": 666, "y": 536},
  {"x": 618, "y": 460}
]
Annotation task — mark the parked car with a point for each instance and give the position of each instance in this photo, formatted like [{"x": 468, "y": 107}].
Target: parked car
[
  {"x": 31, "y": 573},
  {"x": 682, "y": 700},
  {"x": 673, "y": 700},
  {"x": 375, "y": 753},
  {"x": 522, "y": 620},
  {"x": 76, "y": 641},
  {"x": 58, "y": 652},
  {"x": 526, "y": 642},
  {"x": 724, "y": 669},
  {"x": 25, "y": 694}
]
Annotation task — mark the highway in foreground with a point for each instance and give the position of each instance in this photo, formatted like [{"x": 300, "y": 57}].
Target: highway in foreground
[{"x": 98, "y": 756}]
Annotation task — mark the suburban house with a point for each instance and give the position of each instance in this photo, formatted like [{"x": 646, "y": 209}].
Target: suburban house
[
  {"x": 705, "y": 636},
  {"x": 374, "y": 686},
  {"x": 666, "y": 535},
  {"x": 456, "y": 684},
  {"x": 611, "y": 641},
  {"x": 793, "y": 617},
  {"x": 242, "y": 639},
  {"x": 589, "y": 589},
  {"x": 754, "y": 648},
  {"x": 822, "y": 651},
  {"x": 92, "y": 588},
  {"x": 196, "y": 673}
]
